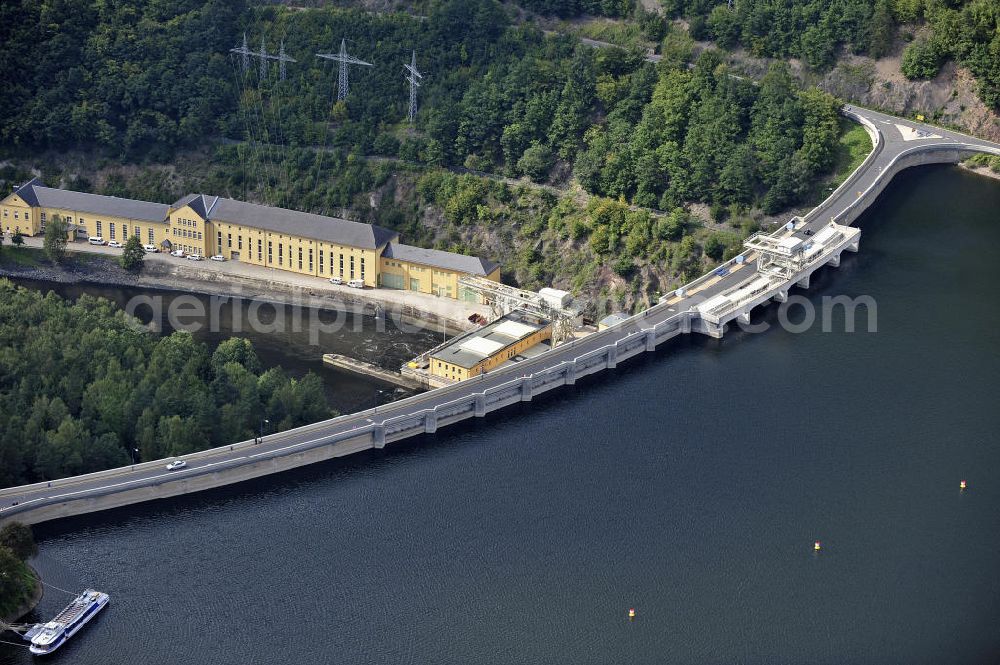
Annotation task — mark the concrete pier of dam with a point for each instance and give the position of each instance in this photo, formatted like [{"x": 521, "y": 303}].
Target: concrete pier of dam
[{"x": 766, "y": 271}]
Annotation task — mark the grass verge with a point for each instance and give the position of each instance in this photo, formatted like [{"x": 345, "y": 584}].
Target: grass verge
[
  {"x": 853, "y": 146},
  {"x": 20, "y": 256}
]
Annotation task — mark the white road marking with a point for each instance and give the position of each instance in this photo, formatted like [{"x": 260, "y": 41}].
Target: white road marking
[{"x": 140, "y": 480}]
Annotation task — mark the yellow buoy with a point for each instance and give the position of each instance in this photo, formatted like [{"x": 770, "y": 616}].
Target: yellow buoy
[
  {"x": 631, "y": 613},
  {"x": 961, "y": 485},
  {"x": 816, "y": 546}
]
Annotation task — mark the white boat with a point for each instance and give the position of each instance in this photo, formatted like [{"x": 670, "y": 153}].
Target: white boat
[{"x": 47, "y": 637}]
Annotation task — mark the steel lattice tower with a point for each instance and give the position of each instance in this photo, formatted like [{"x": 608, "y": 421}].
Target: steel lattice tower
[
  {"x": 345, "y": 61},
  {"x": 412, "y": 75},
  {"x": 263, "y": 60},
  {"x": 245, "y": 54}
]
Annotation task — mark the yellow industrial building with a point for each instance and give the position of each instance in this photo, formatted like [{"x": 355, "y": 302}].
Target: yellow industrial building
[
  {"x": 504, "y": 340},
  {"x": 299, "y": 242}
]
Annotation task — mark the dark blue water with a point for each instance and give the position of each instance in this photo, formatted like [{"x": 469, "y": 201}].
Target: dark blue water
[{"x": 689, "y": 485}]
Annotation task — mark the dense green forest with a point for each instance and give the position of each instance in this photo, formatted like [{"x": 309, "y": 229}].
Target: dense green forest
[
  {"x": 598, "y": 129},
  {"x": 708, "y": 136},
  {"x": 967, "y": 31},
  {"x": 17, "y": 582},
  {"x": 498, "y": 96},
  {"x": 566, "y": 8},
  {"x": 82, "y": 385}
]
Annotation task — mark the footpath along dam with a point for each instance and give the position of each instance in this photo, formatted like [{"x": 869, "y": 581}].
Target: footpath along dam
[{"x": 770, "y": 265}]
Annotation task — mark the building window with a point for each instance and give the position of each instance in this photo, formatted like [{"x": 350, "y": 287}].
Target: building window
[
  {"x": 111, "y": 228},
  {"x": 321, "y": 271},
  {"x": 300, "y": 258},
  {"x": 219, "y": 244},
  {"x": 239, "y": 243},
  {"x": 229, "y": 240},
  {"x": 260, "y": 253},
  {"x": 199, "y": 235},
  {"x": 269, "y": 251},
  {"x": 362, "y": 267},
  {"x": 138, "y": 232},
  {"x": 281, "y": 254},
  {"x": 152, "y": 239},
  {"x": 352, "y": 266},
  {"x": 43, "y": 218},
  {"x": 98, "y": 227},
  {"x": 310, "y": 260},
  {"x": 124, "y": 231},
  {"x": 341, "y": 265}
]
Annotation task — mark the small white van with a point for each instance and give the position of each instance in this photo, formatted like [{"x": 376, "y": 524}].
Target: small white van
[
  {"x": 356, "y": 284},
  {"x": 96, "y": 240}
]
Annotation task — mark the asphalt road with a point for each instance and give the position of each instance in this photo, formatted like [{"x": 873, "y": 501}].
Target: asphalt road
[{"x": 896, "y": 137}]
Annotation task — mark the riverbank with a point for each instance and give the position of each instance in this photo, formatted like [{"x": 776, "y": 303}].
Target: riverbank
[
  {"x": 99, "y": 265},
  {"x": 28, "y": 604},
  {"x": 708, "y": 503},
  {"x": 985, "y": 171}
]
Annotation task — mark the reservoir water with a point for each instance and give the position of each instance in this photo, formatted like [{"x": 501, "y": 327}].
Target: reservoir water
[{"x": 689, "y": 485}]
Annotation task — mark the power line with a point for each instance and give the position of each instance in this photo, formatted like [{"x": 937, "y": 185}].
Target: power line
[
  {"x": 344, "y": 61},
  {"x": 255, "y": 162},
  {"x": 258, "y": 120}
]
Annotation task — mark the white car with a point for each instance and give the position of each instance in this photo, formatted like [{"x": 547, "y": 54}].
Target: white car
[
  {"x": 176, "y": 464},
  {"x": 177, "y": 252},
  {"x": 115, "y": 243},
  {"x": 356, "y": 284},
  {"x": 336, "y": 280},
  {"x": 152, "y": 249},
  {"x": 194, "y": 257},
  {"x": 96, "y": 240},
  {"x": 217, "y": 257}
]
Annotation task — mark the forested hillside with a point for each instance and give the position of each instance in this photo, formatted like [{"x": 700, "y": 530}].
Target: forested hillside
[
  {"x": 82, "y": 385},
  {"x": 151, "y": 83},
  {"x": 967, "y": 31}
]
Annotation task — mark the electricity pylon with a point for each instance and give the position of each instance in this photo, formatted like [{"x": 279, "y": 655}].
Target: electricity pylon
[
  {"x": 245, "y": 55},
  {"x": 412, "y": 75},
  {"x": 345, "y": 61}
]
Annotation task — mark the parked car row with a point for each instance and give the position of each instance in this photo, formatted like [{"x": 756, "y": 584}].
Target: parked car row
[
  {"x": 98, "y": 240},
  {"x": 353, "y": 283},
  {"x": 180, "y": 253}
]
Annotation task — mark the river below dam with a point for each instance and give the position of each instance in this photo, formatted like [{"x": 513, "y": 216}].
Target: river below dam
[
  {"x": 281, "y": 334},
  {"x": 689, "y": 484}
]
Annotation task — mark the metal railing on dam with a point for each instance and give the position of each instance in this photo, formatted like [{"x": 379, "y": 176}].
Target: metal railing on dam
[{"x": 562, "y": 365}]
